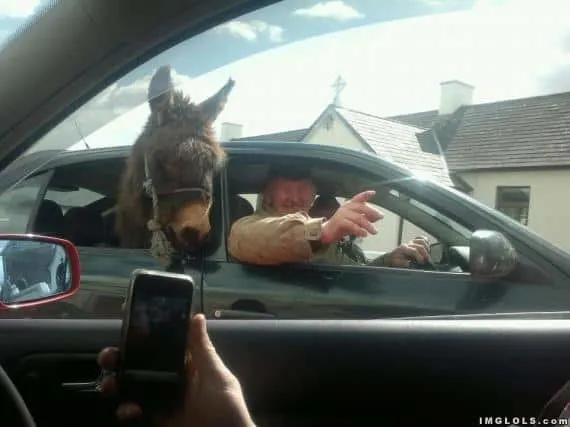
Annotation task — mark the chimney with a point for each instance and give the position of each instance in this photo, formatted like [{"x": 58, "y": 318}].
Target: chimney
[
  {"x": 454, "y": 94},
  {"x": 230, "y": 131}
]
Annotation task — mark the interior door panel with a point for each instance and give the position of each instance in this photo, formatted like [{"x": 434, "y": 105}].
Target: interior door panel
[{"x": 321, "y": 372}]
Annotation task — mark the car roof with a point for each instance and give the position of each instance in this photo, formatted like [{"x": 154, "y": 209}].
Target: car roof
[
  {"x": 37, "y": 162},
  {"x": 46, "y": 159}
]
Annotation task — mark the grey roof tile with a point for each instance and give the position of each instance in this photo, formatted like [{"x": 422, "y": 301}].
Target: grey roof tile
[
  {"x": 519, "y": 133},
  {"x": 397, "y": 142}
]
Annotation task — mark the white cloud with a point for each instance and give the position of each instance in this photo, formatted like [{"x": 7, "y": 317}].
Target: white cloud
[
  {"x": 390, "y": 68},
  {"x": 434, "y": 3},
  {"x": 18, "y": 8},
  {"x": 250, "y": 30},
  {"x": 113, "y": 117},
  {"x": 336, "y": 9}
]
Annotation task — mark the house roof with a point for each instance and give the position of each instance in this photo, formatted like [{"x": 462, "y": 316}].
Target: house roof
[
  {"x": 295, "y": 135},
  {"x": 518, "y": 133},
  {"x": 396, "y": 141}
]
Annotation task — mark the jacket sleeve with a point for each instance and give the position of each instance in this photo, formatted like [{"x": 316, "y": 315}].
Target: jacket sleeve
[{"x": 264, "y": 240}]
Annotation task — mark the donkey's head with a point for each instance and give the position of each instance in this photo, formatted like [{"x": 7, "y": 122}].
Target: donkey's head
[{"x": 182, "y": 156}]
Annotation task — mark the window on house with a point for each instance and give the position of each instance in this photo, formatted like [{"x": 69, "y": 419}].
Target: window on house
[{"x": 514, "y": 202}]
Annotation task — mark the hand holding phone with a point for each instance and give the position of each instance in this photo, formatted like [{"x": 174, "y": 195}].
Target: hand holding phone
[
  {"x": 213, "y": 397},
  {"x": 154, "y": 336}
]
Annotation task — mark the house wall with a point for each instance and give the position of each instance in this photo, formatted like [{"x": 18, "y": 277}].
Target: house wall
[
  {"x": 548, "y": 208},
  {"x": 340, "y": 135}
]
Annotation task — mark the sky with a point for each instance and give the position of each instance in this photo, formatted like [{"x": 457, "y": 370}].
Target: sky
[{"x": 284, "y": 59}]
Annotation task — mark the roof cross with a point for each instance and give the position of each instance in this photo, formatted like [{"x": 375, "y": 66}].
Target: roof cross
[{"x": 338, "y": 86}]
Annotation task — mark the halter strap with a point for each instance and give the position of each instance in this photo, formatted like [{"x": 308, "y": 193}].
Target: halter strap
[{"x": 160, "y": 247}]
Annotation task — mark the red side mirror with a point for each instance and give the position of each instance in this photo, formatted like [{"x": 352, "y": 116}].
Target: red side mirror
[{"x": 36, "y": 270}]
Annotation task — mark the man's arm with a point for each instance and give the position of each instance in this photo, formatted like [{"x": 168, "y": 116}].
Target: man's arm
[
  {"x": 381, "y": 261},
  {"x": 273, "y": 240}
]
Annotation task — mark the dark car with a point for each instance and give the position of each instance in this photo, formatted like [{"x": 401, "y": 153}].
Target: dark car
[{"x": 73, "y": 196}]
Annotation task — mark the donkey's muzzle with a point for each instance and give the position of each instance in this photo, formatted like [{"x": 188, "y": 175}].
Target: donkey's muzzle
[
  {"x": 193, "y": 239},
  {"x": 190, "y": 235}
]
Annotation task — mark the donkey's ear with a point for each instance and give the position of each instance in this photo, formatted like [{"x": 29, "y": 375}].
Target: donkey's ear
[
  {"x": 160, "y": 91},
  {"x": 213, "y": 106}
]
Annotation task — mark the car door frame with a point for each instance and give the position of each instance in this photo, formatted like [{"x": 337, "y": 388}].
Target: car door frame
[{"x": 473, "y": 295}]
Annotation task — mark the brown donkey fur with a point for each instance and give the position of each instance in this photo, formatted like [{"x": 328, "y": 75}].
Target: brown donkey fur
[{"x": 182, "y": 155}]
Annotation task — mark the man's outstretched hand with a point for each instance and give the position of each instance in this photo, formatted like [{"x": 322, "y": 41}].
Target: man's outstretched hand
[
  {"x": 353, "y": 218},
  {"x": 214, "y": 396}
]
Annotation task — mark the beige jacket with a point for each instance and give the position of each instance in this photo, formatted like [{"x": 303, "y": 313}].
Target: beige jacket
[{"x": 264, "y": 239}]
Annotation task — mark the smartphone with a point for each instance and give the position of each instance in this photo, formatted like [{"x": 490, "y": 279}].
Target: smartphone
[{"x": 154, "y": 335}]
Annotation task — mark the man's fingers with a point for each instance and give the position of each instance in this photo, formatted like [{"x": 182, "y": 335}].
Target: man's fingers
[
  {"x": 348, "y": 227},
  {"x": 369, "y": 212},
  {"x": 413, "y": 251},
  {"x": 420, "y": 252},
  {"x": 359, "y": 220},
  {"x": 424, "y": 241},
  {"x": 364, "y": 196},
  {"x": 108, "y": 358}
]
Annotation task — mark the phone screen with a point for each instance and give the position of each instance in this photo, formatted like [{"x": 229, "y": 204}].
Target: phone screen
[{"x": 158, "y": 321}]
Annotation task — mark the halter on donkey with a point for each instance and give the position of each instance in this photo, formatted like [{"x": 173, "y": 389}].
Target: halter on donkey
[{"x": 165, "y": 194}]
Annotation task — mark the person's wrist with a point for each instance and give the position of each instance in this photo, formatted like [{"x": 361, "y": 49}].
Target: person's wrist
[
  {"x": 326, "y": 235},
  {"x": 313, "y": 229}
]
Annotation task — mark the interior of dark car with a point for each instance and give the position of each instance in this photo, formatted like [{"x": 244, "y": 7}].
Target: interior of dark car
[{"x": 461, "y": 370}]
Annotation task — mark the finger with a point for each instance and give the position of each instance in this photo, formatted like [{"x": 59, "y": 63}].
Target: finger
[
  {"x": 108, "y": 386},
  {"x": 369, "y": 212},
  {"x": 348, "y": 227},
  {"x": 364, "y": 196},
  {"x": 421, "y": 254},
  {"x": 360, "y": 220},
  {"x": 204, "y": 355},
  {"x": 411, "y": 251},
  {"x": 128, "y": 411},
  {"x": 108, "y": 358},
  {"x": 424, "y": 241}
]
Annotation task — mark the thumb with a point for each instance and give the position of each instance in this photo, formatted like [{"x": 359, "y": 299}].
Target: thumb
[
  {"x": 364, "y": 196},
  {"x": 203, "y": 353}
]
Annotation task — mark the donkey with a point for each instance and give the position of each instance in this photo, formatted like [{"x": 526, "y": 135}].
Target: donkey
[{"x": 165, "y": 193}]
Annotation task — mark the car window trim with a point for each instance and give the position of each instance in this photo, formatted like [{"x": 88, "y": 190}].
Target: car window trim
[{"x": 39, "y": 197}]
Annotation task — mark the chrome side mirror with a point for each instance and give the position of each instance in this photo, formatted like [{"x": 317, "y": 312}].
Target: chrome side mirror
[{"x": 491, "y": 255}]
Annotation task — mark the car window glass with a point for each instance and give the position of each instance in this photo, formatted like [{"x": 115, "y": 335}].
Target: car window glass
[
  {"x": 432, "y": 212},
  {"x": 393, "y": 230},
  {"x": 18, "y": 203},
  {"x": 71, "y": 197}
]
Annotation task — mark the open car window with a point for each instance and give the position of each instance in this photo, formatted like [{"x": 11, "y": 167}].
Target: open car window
[{"x": 404, "y": 218}]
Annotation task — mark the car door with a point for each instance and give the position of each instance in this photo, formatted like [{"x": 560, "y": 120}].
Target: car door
[
  {"x": 76, "y": 201},
  {"x": 306, "y": 291}
]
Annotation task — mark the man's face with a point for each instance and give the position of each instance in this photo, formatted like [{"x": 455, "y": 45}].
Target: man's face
[{"x": 290, "y": 196}]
